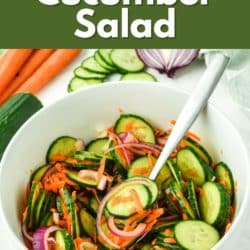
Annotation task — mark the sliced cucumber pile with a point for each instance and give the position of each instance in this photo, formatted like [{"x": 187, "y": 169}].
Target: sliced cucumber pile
[
  {"x": 105, "y": 62},
  {"x": 100, "y": 196}
]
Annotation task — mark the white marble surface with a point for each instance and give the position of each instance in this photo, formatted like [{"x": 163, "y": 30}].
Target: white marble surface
[{"x": 185, "y": 79}]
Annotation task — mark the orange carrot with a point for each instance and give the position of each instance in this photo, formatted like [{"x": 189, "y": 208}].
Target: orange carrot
[
  {"x": 137, "y": 200},
  {"x": 170, "y": 240},
  {"x": 48, "y": 70},
  {"x": 33, "y": 63},
  {"x": 193, "y": 136},
  {"x": 11, "y": 62},
  {"x": 228, "y": 226}
]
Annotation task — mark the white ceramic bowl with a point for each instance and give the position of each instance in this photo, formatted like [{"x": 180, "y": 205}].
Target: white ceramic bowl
[{"x": 83, "y": 113}]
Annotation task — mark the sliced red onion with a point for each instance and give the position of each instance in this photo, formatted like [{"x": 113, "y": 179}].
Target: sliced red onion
[
  {"x": 167, "y": 60},
  {"x": 131, "y": 181},
  {"x": 137, "y": 232},
  {"x": 41, "y": 236},
  {"x": 138, "y": 146},
  {"x": 85, "y": 173},
  {"x": 25, "y": 232},
  {"x": 162, "y": 140},
  {"x": 123, "y": 150},
  {"x": 127, "y": 137}
]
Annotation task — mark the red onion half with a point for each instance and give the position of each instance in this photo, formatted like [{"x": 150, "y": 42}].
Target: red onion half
[
  {"x": 167, "y": 60},
  {"x": 41, "y": 237}
]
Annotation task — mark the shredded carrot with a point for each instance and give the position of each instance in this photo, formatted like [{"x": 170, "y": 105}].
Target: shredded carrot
[
  {"x": 183, "y": 144},
  {"x": 74, "y": 195},
  {"x": 150, "y": 226},
  {"x": 156, "y": 213},
  {"x": 25, "y": 213},
  {"x": 69, "y": 224},
  {"x": 150, "y": 161},
  {"x": 137, "y": 200},
  {"x": 141, "y": 171},
  {"x": 193, "y": 136},
  {"x": 168, "y": 232},
  {"x": 236, "y": 185},
  {"x": 101, "y": 169},
  {"x": 129, "y": 126},
  {"x": 173, "y": 122},
  {"x": 27, "y": 190},
  {"x": 184, "y": 216},
  {"x": 57, "y": 181},
  {"x": 56, "y": 158},
  {"x": 78, "y": 241},
  {"x": 138, "y": 216},
  {"x": 121, "y": 199},
  {"x": 228, "y": 226},
  {"x": 201, "y": 192},
  {"x": 170, "y": 240}
]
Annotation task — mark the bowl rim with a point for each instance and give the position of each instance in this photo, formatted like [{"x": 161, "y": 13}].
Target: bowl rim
[{"x": 20, "y": 244}]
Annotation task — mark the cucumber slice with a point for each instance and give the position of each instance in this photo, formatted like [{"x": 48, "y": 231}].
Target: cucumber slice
[
  {"x": 87, "y": 222},
  {"x": 196, "y": 235},
  {"x": 193, "y": 199},
  {"x": 88, "y": 182},
  {"x": 106, "y": 66},
  {"x": 119, "y": 159},
  {"x": 126, "y": 60},
  {"x": 176, "y": 174},
  {"x": 160, "y": 226},
  {"x": 59, "y": 205},
  {"x": 105, "y": 54},
  {"x": 224, "y": 177},
  {"x": 70, "y": 206},
  {"x": 214, "y": 204},
  {"x": 86, "y": 74},
  {"x": 38, "y": 207},
  {"x": 191, "y": 166},
  {"x": 137, "y": 126},
  {"x": 128, "y": 207},
  {"x": 151, "y": 186},
  {"x": 172, "y": 205},
  {"x": 78, "y": 83},
  {"x": 47, "y": 204},
  {"x": 147, "y": 247},
  {"x": 64, "y": 145},
  {"x": 92, "y": 65},
  {"x": 141, "y": 76},
  {"x": 99, "y": 146},
  {"x": 33, "y": 196},
  {"x": 201, "y": 151},
  {"x": 47, "y": 220},
  {"x": 93, "y": 205},
  {"x": 141, "y": 167},
  {"x": 39, "y": 173},
  {"x": 63, "y": 240},
  {"x": 89, "y": 156},
  {"x": 176, "y": 192}
]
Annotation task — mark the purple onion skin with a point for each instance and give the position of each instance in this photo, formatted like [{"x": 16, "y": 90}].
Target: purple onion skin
[{"x": 169, "y": 72}]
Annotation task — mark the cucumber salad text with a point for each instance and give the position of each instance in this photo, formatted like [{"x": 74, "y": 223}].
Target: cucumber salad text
[{"x": 124, "y": 26}]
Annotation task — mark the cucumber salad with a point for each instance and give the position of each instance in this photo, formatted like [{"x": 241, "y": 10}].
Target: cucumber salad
[{"x": 99, "y": 196}]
